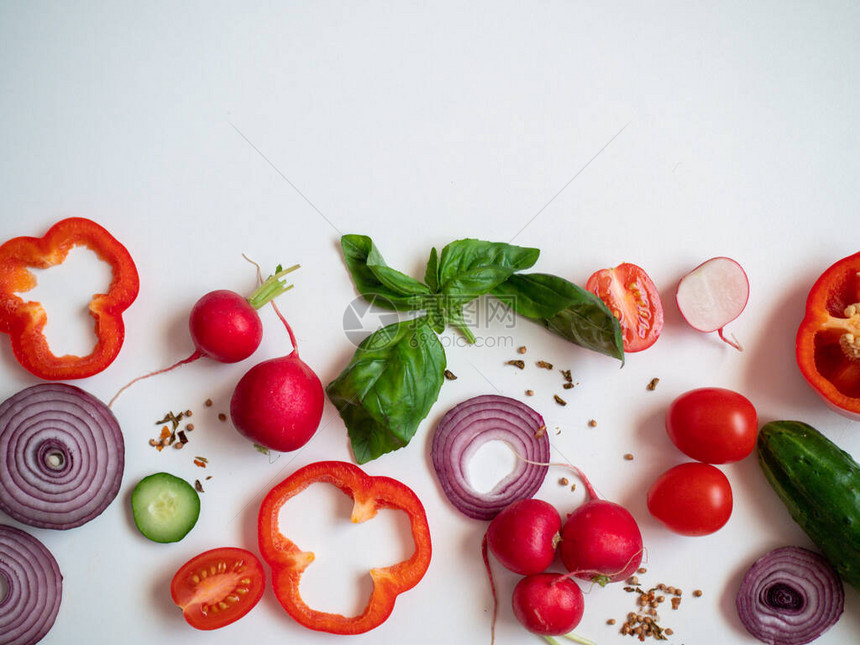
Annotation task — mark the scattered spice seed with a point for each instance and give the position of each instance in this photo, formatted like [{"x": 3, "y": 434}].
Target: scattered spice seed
[
  {"x": 628, "y": 457},
  {"x": 450, "y": 375},
  {"x": 530, "y": 392},
  {"x": 189, "y": 427},
  {"x": 567, "y": 375},
  {"x": 611, "y": 621},
  {"x": 208, "y": 403},
  {"x": 641, "y": 570},
  {"x": 540, "y": 432},
  {"x": 198, "y": 486},
  {"x": 188, "y": 413},
  {"x": 568, "y": 386},
  {"x": 676, "y": 602},
  {"x": 564, "y": 481},
  {"x": 521, "y": 350},
  {"x": 222, "y": 416},
  {"x": 573, "y": 487},
  {"x": 592, "y": 423},
  {"x": 652, "y": 384},
  {"x": 697, "y": 593},
  {"x": 517, "y": 363},
  {"x": 544, "y": 365},
  {"x": 559, "y": 400},
  {"x": 178, "y": 445}
]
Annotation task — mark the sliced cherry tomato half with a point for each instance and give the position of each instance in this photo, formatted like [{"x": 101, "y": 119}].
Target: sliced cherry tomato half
[
  {"x": 218, "y": 587},
  {"x": 632, "y": 298}
]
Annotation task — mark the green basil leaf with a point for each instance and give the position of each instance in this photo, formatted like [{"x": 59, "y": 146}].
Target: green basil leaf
[
  {"x": 378, "y": 282},
  {"x": 431, "y": 274},
  {"x": 565, "y": 309},
  {"x": 389, "y": 386},
  {"x": 470, "y": 268}
]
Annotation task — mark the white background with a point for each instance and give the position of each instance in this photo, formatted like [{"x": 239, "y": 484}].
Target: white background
[{"x": 658, "y": 133}]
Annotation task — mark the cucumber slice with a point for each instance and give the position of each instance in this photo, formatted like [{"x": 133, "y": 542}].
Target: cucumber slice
[{"x": 165, "y": 507}]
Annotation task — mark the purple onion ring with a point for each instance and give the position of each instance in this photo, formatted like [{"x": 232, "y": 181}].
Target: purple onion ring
[
  {"x": 471, "y": 424},
  {"x": 34, "y": 588},
  {"x": 62, "y": 456},
  {"x": 790, "y": 596}
]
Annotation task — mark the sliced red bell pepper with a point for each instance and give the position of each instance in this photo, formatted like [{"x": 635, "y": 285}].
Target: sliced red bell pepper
[
  {"x": 24, "y": 320},
  {"x": 828, "y": 340},
  {"x": 370, "y": 494}
]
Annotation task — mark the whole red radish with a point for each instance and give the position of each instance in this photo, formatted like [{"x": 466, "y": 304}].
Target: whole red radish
[
  {"x": 600, "y": 540},
  {"x": 278, "y": 404},
  {"x": 549, "y": 604},
  {"x": 225, "y": 326},
  {"x": 523, "y": 537}
]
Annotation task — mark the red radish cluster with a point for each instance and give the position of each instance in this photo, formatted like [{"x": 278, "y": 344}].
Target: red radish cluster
[
  {"x": 599, "y": 541},
  {"x": 225, "y": 326}
]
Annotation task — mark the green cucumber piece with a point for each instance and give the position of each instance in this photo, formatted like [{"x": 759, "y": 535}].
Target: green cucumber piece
[
  {"x": 165, "y": 507},
  {"x": 819, "y": 483}
]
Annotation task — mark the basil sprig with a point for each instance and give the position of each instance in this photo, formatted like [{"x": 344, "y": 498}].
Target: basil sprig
[{"x": 396, "y": 373}]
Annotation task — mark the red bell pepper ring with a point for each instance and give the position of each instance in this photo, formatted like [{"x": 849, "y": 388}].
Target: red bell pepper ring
[
  {"x": 828, "y": 340},
  {"x": 370, "y": 494},
  {"x": 25, "y": 320}
]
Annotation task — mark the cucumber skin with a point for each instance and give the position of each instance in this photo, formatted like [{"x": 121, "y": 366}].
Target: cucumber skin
[{"x": 819, "y": 483}]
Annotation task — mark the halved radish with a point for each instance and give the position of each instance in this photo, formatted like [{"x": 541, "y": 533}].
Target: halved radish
[{"x": 712, "y": 295}]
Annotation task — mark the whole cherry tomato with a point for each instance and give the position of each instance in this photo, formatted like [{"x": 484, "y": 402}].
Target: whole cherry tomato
[
  {"x": 713, "y": 425},
  {"x": 632, "y": 298},
  {"x": 691, "y": 499}
]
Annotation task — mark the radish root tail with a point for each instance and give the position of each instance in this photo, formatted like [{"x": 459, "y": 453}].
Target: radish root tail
[
  {"x": 197, "y": 354},
  {"x": 730, "y": 341}
]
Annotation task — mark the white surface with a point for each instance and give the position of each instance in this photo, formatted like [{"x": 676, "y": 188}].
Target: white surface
[{"x": 656, "y": 133}]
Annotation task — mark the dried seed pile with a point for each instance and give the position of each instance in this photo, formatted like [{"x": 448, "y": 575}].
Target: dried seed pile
[
  {"x": 644, "y": 622},
  {"x": 171, "y": 433}
]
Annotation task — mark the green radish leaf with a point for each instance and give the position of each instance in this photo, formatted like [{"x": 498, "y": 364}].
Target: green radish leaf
[{"x": 389, "y": 386}]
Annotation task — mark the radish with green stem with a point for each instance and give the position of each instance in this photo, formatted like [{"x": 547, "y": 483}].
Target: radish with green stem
[
  {"x": 278, "y": 404},
  {"x": 225, "y": 326},
  {"x": 712, "y": 295}
]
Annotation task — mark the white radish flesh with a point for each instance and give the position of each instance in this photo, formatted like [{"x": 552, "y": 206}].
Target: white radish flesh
[{"x": 713, "y": 294}]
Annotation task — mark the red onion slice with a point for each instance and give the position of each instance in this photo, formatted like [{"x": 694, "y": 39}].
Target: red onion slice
[
  {"x": 471, "y": 424},
  {"x": 34, "y": 588},
  {"x": 62, "y": 456},
  {"x": 790, "y": 596}
]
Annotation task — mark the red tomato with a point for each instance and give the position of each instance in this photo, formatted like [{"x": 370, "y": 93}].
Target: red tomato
[
  {"x": 632, "y": 298},
  {"x": 691, "y": 499},
  {"x": 218, "y": 587},
  {"x": 713, "y": 425}
]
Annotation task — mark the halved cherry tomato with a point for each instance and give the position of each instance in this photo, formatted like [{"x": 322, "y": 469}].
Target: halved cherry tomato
[
  {"x": 632, "y": 298},
  {"x": 218, "y": 587}
]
